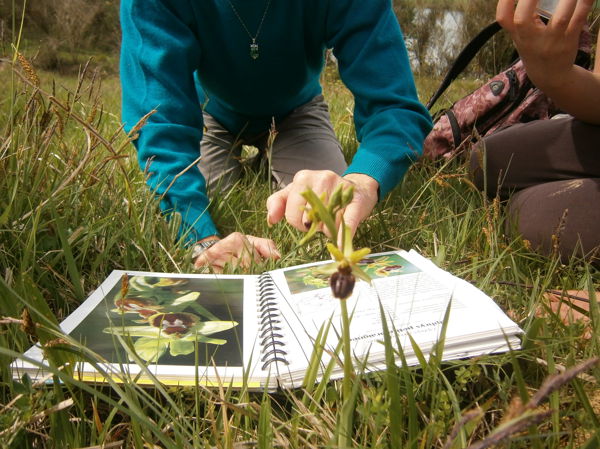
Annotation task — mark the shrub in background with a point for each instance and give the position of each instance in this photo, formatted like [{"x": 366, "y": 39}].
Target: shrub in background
[{"x": 63, "y": 33}]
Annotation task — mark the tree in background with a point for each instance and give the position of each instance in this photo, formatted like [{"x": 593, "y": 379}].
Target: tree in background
[
  {"x": 64, "y": 28},
  {"x": 61, "y": 30}
]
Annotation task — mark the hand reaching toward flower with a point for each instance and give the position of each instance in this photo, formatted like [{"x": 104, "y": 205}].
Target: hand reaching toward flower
[
  {"x": 237, "y": 249},
  {"x": 290, "y": 203}
]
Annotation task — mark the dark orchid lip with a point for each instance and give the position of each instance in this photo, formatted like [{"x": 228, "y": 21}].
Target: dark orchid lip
[
  {"x": 135, "y": 304},
  {"x": 342, "y": 283},
  {"x": 392, "y": 268},
  {"x": 173, "y": 323}
]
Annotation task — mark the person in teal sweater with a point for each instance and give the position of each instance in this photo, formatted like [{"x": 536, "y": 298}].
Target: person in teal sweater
[{"x": 220, "y": 73}]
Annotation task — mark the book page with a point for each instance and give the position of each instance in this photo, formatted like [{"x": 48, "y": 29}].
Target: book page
[
  {"x": 413, "y": 293},
  {"x": 184, "y": 327}
]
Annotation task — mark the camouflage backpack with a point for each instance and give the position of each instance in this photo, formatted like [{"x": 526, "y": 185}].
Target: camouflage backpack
[{"x": 507, "y": 98}]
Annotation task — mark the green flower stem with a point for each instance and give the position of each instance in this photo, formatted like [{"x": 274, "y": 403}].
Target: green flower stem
[
  {"x": 346, "y": 417},
  {"x": 348, "y": 367}
]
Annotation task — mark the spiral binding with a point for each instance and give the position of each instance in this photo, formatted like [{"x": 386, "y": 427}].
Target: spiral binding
[{"x": 270, "y": 330}]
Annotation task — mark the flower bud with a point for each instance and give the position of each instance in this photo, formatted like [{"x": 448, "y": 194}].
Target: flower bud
[{"x": 347, "y": 196}]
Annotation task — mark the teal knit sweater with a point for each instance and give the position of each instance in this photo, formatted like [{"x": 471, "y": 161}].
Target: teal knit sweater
[{"x": 178, "y": 56}]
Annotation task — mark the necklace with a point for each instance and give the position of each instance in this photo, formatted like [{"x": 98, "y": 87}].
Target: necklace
[{"x": 253, "y": 44}]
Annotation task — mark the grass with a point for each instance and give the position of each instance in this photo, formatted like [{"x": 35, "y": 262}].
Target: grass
[{"x": 73, "y": 207}]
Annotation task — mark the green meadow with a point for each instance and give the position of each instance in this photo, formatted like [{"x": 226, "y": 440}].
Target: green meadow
[{"x": 74, "y": 207}]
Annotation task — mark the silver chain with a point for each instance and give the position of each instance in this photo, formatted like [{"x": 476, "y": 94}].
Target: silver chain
[{"x": 237, "y": 14}]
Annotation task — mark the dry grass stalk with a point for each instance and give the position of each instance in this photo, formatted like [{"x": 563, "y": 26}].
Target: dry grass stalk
[
  {"x": 464, "y": 419},
  {"x": 30, "y": 72},
  {"x": 562, "y": 369},
  {"x": 525, "y": 421},
  {"x": 522, "y": 416},
  {"x": 556, "y": 381},
  {"x": 559, "y": 231},
  {"x": 94, "y": 137}
]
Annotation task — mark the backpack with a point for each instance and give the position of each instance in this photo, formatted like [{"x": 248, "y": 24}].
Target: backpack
[{"x": 507, "y": 98}]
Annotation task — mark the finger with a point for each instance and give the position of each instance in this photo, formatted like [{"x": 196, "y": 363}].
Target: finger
[
  {"x": 505, "y": 13},
  {"x": 526, "y": 12},
  {"x": 276, "y": 205},
  {"x": 266, "y": 248},
  {"x": 562, "y": 15},
  {"x": 246, "y": 257},
  {"x": 205, "y": 261},
  {"x": 320, "y": 182},
  {"x": 294, "y": 209},
  {"x": 580, "y": 15}
]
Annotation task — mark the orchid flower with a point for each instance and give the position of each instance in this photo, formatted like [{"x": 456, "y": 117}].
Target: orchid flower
[{"x": 177, "y": 332}]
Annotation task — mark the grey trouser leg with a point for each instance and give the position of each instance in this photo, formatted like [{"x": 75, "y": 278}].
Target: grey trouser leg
[
  {"x": 305, "y": 140},
  {"x": 550, "y": 170},
  {"x": 221, "y": 152}
]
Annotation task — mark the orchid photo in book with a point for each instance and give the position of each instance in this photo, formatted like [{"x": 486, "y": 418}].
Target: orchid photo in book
[
  {"x": 310, "y": 278},
  {"x": 167, "y": 319}
]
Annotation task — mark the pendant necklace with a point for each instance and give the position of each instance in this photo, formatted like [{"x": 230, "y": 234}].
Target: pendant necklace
[{"x": 253, "y": 44}]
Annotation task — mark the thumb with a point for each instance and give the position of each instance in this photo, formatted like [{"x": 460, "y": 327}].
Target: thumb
[{"x": 276, "y": 205}]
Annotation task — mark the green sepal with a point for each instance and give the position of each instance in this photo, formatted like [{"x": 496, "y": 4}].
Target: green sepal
[
  {"x": 181, "y": 347},
  {"x": 150, "y": 349}
]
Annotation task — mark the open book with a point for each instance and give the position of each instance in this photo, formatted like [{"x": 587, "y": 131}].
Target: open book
[{"x": 259, "y": 331}]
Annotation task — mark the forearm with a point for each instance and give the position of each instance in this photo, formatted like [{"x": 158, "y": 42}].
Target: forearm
[
  {"x": 577, "y": 93},
  {"x": 391, "y": 122},
  {"x": 159, "y": 53}
]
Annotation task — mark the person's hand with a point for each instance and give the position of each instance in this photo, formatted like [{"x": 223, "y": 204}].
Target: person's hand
[
  {"x": 237, "y": 249},
  {"x": 547, "y": 50},
  {"x": 290, "y": 204}
]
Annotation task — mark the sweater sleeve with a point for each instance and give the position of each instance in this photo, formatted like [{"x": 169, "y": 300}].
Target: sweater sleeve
[
  {"x": 391, "y": 123},
  {"x": 159, "y": 54}
]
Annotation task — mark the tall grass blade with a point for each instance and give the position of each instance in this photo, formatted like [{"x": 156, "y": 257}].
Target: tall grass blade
[
  {"x": 392, "y": 384},
  {"x": 265, "y": 430},
  {"x": 72, "y": 268}
]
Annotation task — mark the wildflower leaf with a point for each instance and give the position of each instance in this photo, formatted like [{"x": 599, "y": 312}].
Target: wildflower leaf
[
  {"x": 212, "y": 341},
  {"x": 317, "y": 204},
  {"x": 314, "y": 227},
  {"x": 347, "y": 241}
]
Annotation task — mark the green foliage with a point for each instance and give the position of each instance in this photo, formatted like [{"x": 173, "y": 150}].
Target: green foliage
[
  {"x": 62, "y": 34},
  {"x": 73, "y": 207}
]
